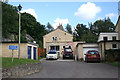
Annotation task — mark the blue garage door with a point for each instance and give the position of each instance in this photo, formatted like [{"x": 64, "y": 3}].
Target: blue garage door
[
  {"x": 34, "y": 51},
  {"x": 29, "y": 52}
]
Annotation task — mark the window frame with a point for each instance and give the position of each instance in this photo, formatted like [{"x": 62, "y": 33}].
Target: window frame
[
  {"x": 114, "y": 38},
  {"x": 104, "y": 38},
  {"x": 114, "y": 47}
]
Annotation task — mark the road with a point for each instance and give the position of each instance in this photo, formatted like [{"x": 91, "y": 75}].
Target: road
[{"x": 72, "y": 69}]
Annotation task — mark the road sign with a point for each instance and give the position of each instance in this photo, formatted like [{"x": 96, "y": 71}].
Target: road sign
[{"x": 12, "y": 47}]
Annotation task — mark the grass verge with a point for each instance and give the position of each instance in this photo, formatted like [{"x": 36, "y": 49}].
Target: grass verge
[
  {"x": 7, "y": 62},
  {"x": 117, "y": 64}
]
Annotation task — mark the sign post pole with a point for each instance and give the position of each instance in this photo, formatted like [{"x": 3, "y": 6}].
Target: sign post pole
[
  {"x": 12, "y": 55},
  {"x": 12, "y": 47}
]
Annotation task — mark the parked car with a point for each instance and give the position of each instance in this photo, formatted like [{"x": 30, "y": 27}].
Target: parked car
[
  {"x": 52, "y": 55},
  {"x": 92, "y": 55},
  {"x": 67, "y": 53}
]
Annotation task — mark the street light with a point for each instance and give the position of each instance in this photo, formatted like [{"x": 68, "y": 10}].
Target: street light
[{"x": 19, "y": 8}]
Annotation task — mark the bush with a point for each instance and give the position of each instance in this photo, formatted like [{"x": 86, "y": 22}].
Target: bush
[
  {"x": 44, "y": 55},
  {"x": 112, "y": 55}
]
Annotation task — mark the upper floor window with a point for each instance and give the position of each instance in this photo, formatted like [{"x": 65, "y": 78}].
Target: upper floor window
[
  {"x": 114, "y": 38},
  {"x": 54, "y": 38},
  {"x": 105, "y": 38},
  {"x": 114, "y": 46}
]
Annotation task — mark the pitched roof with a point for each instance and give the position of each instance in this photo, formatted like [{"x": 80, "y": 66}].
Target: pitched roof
[
  {"x": 59, "y": 29},
  {"x": 118, "y": 20}
]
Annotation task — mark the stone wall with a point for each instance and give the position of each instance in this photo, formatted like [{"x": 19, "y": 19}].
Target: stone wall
[{"x": 21, "y": 70}]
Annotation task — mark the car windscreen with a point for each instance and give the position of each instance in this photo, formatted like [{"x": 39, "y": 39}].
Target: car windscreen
[
  {"x": 93, "y": 52},
  {"x": 52, "y": 53},
  {"x": 67, "y": 50}
]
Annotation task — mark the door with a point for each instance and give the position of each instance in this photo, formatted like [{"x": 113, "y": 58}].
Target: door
[
  {"x": 29, "y": 52},
  {"x": 34, "y": 52},
  {"x": 87, "y": 49}
]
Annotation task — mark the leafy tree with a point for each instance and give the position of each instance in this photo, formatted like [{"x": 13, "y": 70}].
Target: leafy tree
[
  {"x": 69, "y": 29},
  {"x": 49, "y": 27},
  {"x": 103, "y": 26},
  {"x": 33, "y": 28},
  {"x": 9, "y": 21},
  {"x": 60, "y": 27},
  {"x": 79, "y": 31},
  {"x": 82, "y": 33}
]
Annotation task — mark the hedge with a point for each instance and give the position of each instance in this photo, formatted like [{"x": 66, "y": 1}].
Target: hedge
[{"x": 112, "y": 55}]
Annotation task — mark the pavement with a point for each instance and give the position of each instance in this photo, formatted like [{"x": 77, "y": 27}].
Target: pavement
[{"x": 72, "y": 69}]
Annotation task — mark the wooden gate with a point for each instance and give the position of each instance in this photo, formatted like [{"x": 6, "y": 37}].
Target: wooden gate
[{"x": 41, "y": 52}]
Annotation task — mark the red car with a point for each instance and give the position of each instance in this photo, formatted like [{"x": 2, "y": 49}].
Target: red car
[{"x": 92, "y": 55}]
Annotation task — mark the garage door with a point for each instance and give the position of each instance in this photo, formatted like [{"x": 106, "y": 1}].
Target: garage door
[{"x": 86, "y": 49}]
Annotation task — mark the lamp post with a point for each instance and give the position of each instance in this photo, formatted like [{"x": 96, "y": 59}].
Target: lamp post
[{"x": 19, "y": 8}]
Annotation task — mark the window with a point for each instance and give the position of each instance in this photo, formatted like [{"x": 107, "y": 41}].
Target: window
[
  {"x": 57, "y": 48},
  {"x": 54, "y": 38},
  {"x": 114, "y": 46},
  {"x": 114, "y": 38},
  {"x": 105, "y": 38}
]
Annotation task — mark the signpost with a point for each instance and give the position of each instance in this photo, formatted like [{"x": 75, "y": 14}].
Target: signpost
[{"x": 12, "y": 47}]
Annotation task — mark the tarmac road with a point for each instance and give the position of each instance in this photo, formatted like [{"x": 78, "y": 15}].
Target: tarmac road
[{"x": 72, "y": 69}]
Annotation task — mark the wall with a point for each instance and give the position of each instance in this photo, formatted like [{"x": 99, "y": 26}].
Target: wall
[
  {"x": 8, "y": 53},
  {"x": 62, "y": 37},
  {"x": 107, "y": 46},
  {"x": 80, "y": 51},
  {"x": 109, "y": 35},
  {"x": 118, "y": 28},
  {"x": 21, "y": 70},
  {"x": 23, "y": 50}
]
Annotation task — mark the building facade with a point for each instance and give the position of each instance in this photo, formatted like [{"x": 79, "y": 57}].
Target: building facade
[
  {"x": 118, "y": 28},
  {"x": 56, "y": 40},
  {"x": 28, "y": 50},
  {"x": 107, "y": 41}
]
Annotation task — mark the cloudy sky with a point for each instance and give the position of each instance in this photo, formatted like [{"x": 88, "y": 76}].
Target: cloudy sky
[{"x": 70, "y": 12}]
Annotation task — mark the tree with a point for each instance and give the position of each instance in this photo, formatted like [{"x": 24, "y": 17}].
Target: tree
[
  {"x": 82, "y": 33},
  {"x": 79, "y": 31},
  {"x": 68, "y": 28},
  {"x": 33, "y": 28},
  {"x": 103, "y": 26},
  {"x": 29, "y": 25},
  {"x": 9, "y": 20},
  {"x": 49, "y": 27},
  {"x": 60, "y": 27}
]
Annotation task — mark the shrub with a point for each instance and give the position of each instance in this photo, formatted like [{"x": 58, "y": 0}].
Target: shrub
[
  {"x": 81, "y": 59},
  {"x": 112, "y": 55}
]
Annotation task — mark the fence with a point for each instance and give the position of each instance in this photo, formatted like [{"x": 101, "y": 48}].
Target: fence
[{"x": 41, "y": 52}]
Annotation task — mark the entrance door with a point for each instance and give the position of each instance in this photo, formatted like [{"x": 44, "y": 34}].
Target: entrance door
[
  {"x": 34, "y": 52},
  {"x": 29, "y": 52}
]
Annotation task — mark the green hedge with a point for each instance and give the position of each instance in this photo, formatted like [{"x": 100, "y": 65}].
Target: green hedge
[{"x": 112, "y": 55}]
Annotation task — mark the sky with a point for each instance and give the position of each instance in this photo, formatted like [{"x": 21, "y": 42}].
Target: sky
[{"x": 70, "y": 12}]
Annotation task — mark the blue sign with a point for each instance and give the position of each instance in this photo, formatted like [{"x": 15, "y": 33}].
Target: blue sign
[{"x": 12, "y": 47}]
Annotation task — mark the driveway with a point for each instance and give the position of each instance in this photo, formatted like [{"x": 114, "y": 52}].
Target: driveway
[{"x": 72, "y": 69}]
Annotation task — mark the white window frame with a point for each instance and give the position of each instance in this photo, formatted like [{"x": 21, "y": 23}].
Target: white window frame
[
  {"x": 54, "y": 38},
  {"x": 116, "y": 46}
]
